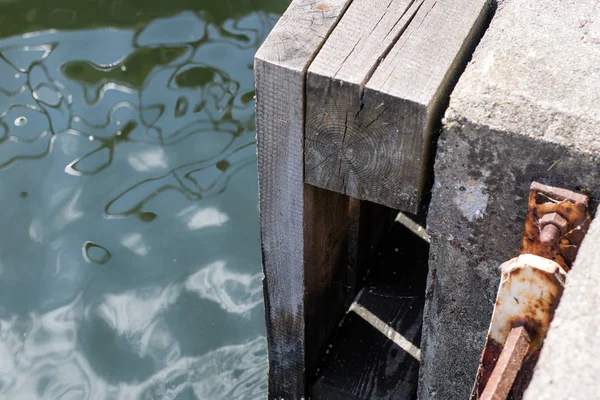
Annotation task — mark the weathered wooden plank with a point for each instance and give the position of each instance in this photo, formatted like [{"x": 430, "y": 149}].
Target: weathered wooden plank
[
  {"x": 335, "y": 82},
  {"x": 363, "y": 35},
  {"x": 287, "y": 205},
  {"x": 370, "y": 115},
  {"x": 329, "y": 285}
]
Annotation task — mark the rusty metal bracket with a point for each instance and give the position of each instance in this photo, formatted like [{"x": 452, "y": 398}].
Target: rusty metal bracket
[
  {"x": 530, "y": 289},
  {"x": 557, "y": 220}
]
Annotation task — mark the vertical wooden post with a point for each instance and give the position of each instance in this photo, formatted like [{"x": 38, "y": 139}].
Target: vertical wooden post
[{"x": 303, "y": 229}]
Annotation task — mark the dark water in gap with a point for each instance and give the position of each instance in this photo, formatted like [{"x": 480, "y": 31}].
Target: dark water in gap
[{"x": 129, "y": 244}]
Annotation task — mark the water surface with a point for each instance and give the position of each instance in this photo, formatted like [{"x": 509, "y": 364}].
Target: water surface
[{"x": 129, "y": 245}]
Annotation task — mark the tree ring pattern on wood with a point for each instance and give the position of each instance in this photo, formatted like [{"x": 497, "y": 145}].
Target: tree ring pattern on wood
[{"x": 371, "y": 150}]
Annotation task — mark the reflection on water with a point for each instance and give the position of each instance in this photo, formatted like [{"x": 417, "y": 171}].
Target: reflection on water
[
  {"x": 129, "y": 257},
  {"x": 41, "y": 357}
]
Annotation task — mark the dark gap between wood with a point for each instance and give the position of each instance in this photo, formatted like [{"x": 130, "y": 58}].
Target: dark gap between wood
[{"x": 361, "y": 362}]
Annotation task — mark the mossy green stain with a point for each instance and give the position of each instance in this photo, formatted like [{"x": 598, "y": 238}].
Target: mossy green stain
[
  {"x": 147, "y": 216},
  {"x": 248, "y": 97},
  {"x": 195, "y": 77},
  {"x": 132, "y": 71}
]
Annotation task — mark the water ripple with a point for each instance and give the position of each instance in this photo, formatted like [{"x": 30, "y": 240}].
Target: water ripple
[
  {"x": 234, "y": 292},
  {"x": 41, "y": 360},
  {"x": 129, "y": 263}
]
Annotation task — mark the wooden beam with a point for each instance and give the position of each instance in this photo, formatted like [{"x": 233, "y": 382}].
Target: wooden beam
[
  {"x": 375, "y": 93},
  {"x": 303, "y": 229},
  {"x": 329, "y": 285}
]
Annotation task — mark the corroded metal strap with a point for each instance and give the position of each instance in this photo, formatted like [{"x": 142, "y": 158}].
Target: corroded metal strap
[
  {"x": 508, "y": 365},
  {"x": 529, "y": 292}
]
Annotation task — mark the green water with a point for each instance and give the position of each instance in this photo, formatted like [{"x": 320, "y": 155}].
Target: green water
[{"x": 129, "y": 243}]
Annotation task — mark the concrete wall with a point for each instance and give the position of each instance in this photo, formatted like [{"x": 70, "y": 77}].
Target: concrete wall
[{"x": 526, "y": 108}]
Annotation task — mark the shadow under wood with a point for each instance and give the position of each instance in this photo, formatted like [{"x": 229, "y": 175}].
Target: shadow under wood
[
  {"x": 375, "y": 353},
  {"x": 341, "y": 235}
]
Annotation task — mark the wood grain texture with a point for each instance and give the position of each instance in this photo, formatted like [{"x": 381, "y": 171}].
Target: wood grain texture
[
  {"x": 284, "y": 199},
  {"x": 328, "y": 282},
  {"x": 371, "y": 113}
]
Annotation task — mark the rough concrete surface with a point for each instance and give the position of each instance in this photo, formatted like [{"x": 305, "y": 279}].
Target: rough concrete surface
[
  {"x": 526, "y": 108},
  {"x": 570, "y": 360}
]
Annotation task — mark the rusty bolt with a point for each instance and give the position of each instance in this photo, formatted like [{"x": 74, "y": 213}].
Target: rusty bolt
[
  {"x": 554, "y": 219},
  {"x": 552, "y": 225}
]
